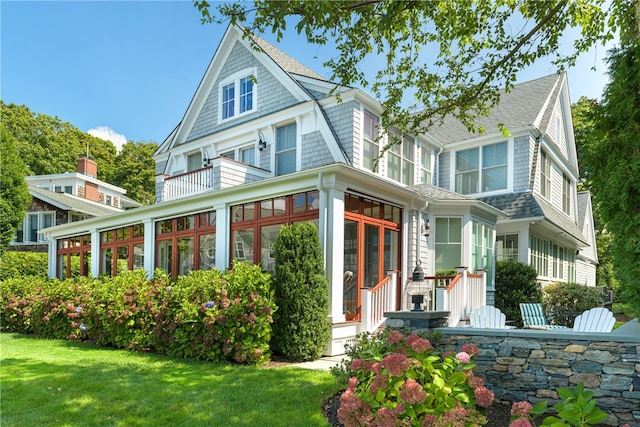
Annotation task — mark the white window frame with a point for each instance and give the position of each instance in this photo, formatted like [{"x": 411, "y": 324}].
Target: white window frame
[
  {"x": 370, "y": 142},
  {"x": 545, "y": 175},
  {"x": 40, "y": 219},
  {"x": 278, "y": 152},
  {"x": 425, "y": 165},
  {"x": 481, "y": 169},
  {"x": 194, "y": 160},
  {"x": 235, "y": 81},
  {"x": 566, "y": 194},
  {"x": 247, "y": 149},
  {"x": 505, "y": 248}
]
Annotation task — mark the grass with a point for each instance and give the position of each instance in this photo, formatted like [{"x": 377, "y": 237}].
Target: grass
[{"x": 64, "y": 383}]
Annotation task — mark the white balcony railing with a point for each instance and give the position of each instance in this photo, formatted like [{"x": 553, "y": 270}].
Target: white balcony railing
[
  {"x": 222, "y": 173},
  {"x": 464, "y": 294}
]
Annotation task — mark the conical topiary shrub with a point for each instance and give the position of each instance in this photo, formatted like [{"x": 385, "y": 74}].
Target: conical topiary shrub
[{"x": 301, "y": 329}]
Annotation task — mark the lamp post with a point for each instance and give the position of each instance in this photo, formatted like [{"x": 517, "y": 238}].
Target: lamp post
[{"x": 418, "y": 288}]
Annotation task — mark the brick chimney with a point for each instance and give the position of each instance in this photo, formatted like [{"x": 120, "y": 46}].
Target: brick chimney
[{"x": 88, "y": 167}]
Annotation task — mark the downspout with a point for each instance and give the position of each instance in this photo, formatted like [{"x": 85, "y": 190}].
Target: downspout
[{"x": 437, "y": 174}]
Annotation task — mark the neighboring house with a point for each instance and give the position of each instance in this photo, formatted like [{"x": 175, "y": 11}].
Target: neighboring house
[
  {"x": 264, "y": 143},
  {"x": 68, "y": 197}
]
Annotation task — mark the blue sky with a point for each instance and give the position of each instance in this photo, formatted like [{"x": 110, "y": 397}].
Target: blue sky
[{"x": 130, "y": 68}]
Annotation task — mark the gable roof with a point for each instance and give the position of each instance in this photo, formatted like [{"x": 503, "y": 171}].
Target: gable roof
[
  {"x": 526, "y": 105},
  {"x": 527, "y": 205},
  {"x": 69, "y": 202},
  {"x": 284, "y": 61}
]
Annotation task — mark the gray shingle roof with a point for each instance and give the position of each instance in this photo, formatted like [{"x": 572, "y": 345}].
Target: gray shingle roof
[
  {"x": 517, "y": 109},
  {"x": 286, "y": 62},
  {"x": 72, "y": 203},
  {"x": 439, "y": 193},
  {"x": 529, "y": 205}
]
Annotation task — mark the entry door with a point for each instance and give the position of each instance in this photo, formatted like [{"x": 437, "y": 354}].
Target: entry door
[{"x": 369, "y": 250}]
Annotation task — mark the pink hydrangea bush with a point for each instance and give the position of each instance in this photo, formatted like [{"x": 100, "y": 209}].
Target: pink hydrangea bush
[{"x": 399, "y": 379}]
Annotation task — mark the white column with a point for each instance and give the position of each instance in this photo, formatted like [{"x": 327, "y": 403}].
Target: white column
[
  {"x": 223, "y": 235},
  {"x": 149, "y": 246},
  {"x": 96, "y": 256},
  {"x": 53, "y": 256},
  {"x": 332, "y": 208}
]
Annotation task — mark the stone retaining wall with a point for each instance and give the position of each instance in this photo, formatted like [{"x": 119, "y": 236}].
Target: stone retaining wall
[{"x": 531, "y": 364}]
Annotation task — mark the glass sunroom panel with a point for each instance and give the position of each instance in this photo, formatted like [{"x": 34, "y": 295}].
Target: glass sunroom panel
[{"x": 185, "y": 255}]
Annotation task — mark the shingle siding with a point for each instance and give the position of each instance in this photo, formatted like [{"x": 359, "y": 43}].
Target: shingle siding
[
  {"x": 444, "y": 170},
  {"x": 346, "y": 125},
  {"x": 523, "y": 147},
  {"x": 314, "y": 151},
  {"x": 271, "y": 94}
]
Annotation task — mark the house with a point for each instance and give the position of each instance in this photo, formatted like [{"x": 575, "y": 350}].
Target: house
[
  {"x": 265, "y": 142},
  {"x": 67, "y": 197},
  {"x": 531, "y": 176}
]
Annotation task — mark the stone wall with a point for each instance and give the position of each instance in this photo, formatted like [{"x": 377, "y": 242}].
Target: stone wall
[{"x": 531, "y": 365}]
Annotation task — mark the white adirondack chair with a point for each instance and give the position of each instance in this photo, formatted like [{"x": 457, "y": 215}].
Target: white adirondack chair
[
  {"x": 487, "y": 316},
  {"x": 598, "y": 319}
]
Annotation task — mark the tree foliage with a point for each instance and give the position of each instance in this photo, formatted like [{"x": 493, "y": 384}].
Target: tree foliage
[
  {"x": 516, "y": 282},
  {"x": 438, "y": 58},
  {"x": 135, "y": 171},
  {"x": 48, "y": 145},
  {"x": 14, "y": 193},
  {"x": 613, "y": 159},
  {"x": 301, "y": 329}
]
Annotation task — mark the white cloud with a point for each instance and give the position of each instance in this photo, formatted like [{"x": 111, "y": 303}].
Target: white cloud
[{"x": 108, "y": 134}]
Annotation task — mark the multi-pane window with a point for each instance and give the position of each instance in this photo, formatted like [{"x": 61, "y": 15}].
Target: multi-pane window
[
  {"x": 186, "y": 243},
  {"x": 246, "y": 94},
  {"x": 255, "y": 226},
  {"x": 286, "y": 149},
  {"x": 74, "y": 256},
  {"x": 545, "y": 176},
  {"x": 467, "y": 168},
  {"x": 248, "y": 156},
  {"x": 425, "y": 164},
  {"x": 194, "y": 161},
  {"x": 394, "y": 157},
  {"x": 33, "y": 222},
  {"x": 494, "y": 167},
  {"x": 228, "y": 100},
  {"x": 472, "y": 178},
  {"x": 507, "y": 247},
  {"x": 122, "y": 249},
  {"x": 237, "y": 96},
  {"x": 371, "y": 149},
  {"x": 408, "y": 154},
  {"x": 448, "y": 243},
  {"x": 566, "y": 195},
  {"x": 558, "y": 257},
  {"x": 540, "y": 255}
]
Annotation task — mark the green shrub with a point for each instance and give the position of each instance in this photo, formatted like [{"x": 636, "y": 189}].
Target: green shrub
[
  {"x": 563, "y": 302},
  {"x": 207, "y": 315},
  {"x": 14, "y": 264},
  {"x": 452, "y": 272},
  {"x": 516, "y": 282},
  {"x": 403, "y": 380},
  {"x": 301, "y": 329}
]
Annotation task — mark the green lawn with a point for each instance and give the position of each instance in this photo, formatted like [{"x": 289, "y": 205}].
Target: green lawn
[{"x": 64, "y": 383}]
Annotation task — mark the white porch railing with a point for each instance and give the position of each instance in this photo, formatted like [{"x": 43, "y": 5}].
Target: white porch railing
[
  {"x": 188, "y": 183},
  {"x": 464, "y": 294},
  {"x": 376, "y": 301}
]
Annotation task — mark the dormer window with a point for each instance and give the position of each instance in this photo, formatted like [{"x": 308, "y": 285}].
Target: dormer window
[{"x": 237, "y": 95}]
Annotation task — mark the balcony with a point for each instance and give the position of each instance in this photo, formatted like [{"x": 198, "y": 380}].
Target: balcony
[{"x": 222, "y": 173}]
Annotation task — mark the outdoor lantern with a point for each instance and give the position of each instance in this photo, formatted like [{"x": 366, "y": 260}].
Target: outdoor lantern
[{"x": 418, "y": 288}]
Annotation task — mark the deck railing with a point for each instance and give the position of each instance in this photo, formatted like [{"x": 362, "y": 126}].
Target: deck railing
[
  {"x": 462, "y": 295},
  {"x": 188, "y": 183},
  {"x": 376, "y": 301}
]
